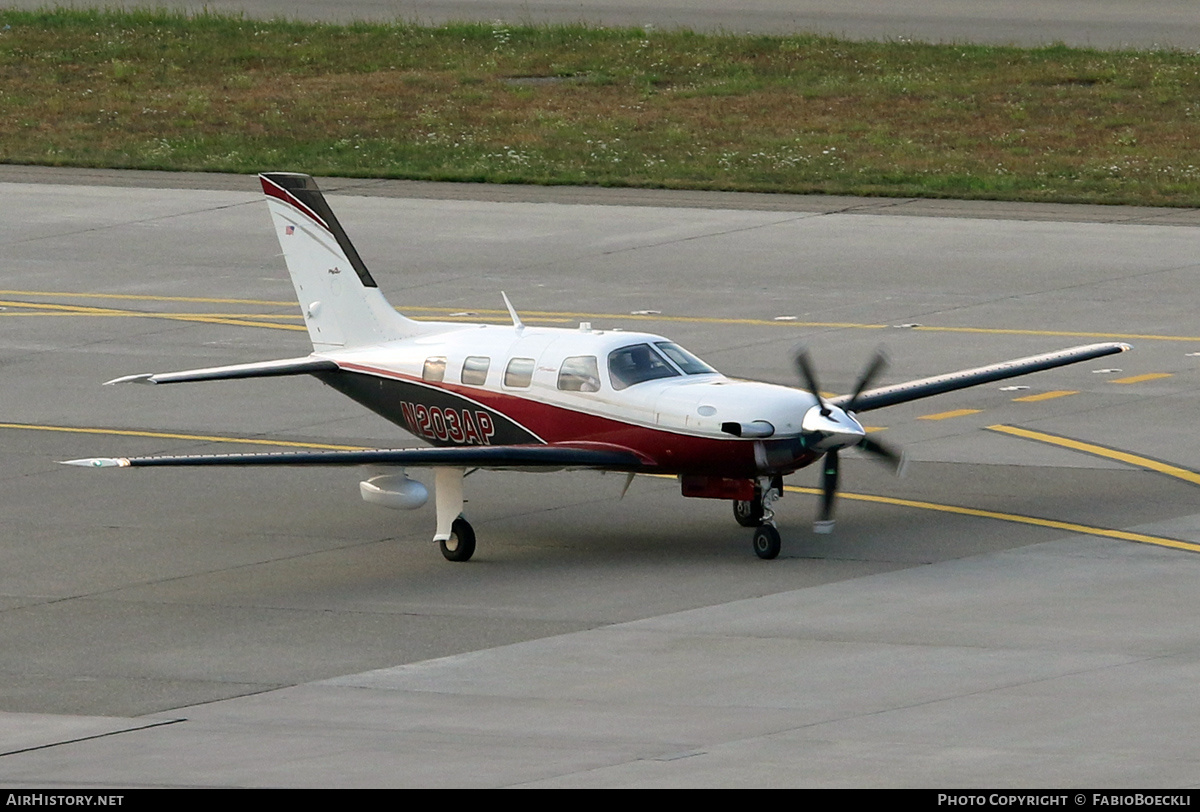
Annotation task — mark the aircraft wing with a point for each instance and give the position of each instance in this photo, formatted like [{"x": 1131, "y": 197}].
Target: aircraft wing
[
  {"x": 259, "y": 369},
  {"x": 940, "y": 384},
  {"x": 545, "y": 457}
]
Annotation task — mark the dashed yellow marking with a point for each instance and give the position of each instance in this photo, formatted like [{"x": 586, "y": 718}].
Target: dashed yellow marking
[
  {"x": 948, "y": 415},
  {"x": 1060, "y": 393},
  {"x": 1071, "y": 527},
  {"x": 1100, "y": 451},
  {"x": 170, "y": 436},
  {"x": 1149, "y": 376},
  {"x": 1003, "y": 331}
]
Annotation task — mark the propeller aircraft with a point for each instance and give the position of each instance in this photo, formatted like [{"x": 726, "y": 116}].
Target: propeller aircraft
[{"x": 514, "y": 397}]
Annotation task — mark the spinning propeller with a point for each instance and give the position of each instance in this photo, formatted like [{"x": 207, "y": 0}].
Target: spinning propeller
[{"x": 830, "y": 428}]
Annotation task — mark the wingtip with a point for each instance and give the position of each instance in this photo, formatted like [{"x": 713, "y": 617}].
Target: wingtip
[
  {"x": 144, "y": 377},
  {"x": 98, "y": 462}
]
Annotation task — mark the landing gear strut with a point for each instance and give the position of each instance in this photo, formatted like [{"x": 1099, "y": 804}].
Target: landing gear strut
[{"x": 455, "y": 536}]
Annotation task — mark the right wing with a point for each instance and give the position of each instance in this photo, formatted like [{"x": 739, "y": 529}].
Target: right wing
[
  {"x": 527, "y": 457},
  {"x": 258, "y": 369}
]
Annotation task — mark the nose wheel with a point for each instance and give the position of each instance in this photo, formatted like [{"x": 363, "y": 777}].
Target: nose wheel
[{"x": 766, "y": 542}]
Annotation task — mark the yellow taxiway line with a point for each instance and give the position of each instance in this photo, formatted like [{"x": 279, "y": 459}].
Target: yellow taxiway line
[
  {"x": 1071, "y": 527},
  {"x": 1100, "y": 451},
  {"x": 452, "y": 314},
  {"x": 197, "y": 437},
  {"x": 233, "y": 319}
]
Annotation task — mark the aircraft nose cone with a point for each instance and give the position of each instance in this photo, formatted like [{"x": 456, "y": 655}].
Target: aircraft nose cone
[{"x": 836, "y": 429}]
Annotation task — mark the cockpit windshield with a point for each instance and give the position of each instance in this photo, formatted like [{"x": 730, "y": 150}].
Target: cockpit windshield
[
  {"x": 683, "y": 359},
  {"x": 637, "y": 363}
]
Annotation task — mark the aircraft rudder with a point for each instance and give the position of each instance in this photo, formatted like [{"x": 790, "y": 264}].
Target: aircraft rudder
[
  {"x": 338, "y": 311},
  {"x": 301, "y": 192}
]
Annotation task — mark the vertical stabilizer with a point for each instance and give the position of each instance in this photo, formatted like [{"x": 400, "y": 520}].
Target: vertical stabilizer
[{"x": 342, "y": 304}]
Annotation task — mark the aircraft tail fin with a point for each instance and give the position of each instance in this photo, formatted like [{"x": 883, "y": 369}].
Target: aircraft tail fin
[{"x": 342, "y": 305}]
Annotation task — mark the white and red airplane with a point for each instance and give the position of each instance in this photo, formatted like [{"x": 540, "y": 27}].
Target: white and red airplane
[{"x": 535, "y": 398}]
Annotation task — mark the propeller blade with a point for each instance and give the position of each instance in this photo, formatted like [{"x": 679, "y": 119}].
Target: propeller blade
[
  {"x": 829, "y": 484},
  {"x": 805, "y": 369},
  {"x": 877, "y": 365},
  {"x": 884, "y": 453}
]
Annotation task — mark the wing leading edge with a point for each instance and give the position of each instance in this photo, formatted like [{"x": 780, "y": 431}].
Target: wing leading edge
[{"x": 532, "y": 457}]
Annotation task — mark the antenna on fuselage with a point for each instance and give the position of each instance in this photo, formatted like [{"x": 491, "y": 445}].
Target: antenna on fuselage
[{"x": 512, "y": 311}]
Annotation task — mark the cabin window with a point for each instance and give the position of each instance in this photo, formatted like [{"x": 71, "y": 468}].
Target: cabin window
[
  {"x": 579, "y": 373},
  {"x": 435, "y": 370},
  {"x": 475, "y": 370},
  {"x": 684, "y": 359},
  {"x": 519, "y": 372},
  {"x": 637, "y": 363}
]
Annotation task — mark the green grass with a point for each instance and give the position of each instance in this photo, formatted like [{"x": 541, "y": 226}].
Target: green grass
[{"x": 576, "y": 105}]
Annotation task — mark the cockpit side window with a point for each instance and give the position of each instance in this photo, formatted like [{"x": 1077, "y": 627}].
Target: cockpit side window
[
  {"x": 519, "y": 372},
  {"x": 635, "y": 364},
  {"x": 683, "y": 359},
  {"x": 579, "y": 373}
]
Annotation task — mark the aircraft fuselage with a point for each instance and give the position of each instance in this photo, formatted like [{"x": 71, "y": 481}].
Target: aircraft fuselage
[{"x": 505, "y": 385}]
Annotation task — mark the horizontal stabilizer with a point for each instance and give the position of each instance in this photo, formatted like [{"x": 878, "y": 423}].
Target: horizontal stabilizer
[
  {"x": 260, "y": 369},
  {"x": 940, "y": 384},
  {"x": 477, "y": 456}
]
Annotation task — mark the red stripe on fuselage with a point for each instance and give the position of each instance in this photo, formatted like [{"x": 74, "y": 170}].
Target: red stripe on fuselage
[{"x": 670, "y": 451}]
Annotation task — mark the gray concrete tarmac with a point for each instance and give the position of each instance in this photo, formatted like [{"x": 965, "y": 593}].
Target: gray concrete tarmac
[
  {"x": 267, "y": 628},
  {"x": 1084, "y": 23}
]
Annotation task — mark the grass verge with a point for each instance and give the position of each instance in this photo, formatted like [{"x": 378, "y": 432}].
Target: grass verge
[{"x": 577, "y": 105}]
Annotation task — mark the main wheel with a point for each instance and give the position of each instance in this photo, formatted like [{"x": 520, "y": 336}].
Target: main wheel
[
  {"x": 461, "y": 544},
  {"x": 748, "y": 513},
  {"x": 766, "y": 541}
]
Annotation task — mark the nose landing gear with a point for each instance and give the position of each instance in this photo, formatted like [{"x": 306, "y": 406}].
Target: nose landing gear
[{"x": 756, "y": 512}]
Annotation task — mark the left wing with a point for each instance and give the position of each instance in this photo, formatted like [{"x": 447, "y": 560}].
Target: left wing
[
  {"x": 544, "y": 457},
  {"x": 940, "y": 384}
]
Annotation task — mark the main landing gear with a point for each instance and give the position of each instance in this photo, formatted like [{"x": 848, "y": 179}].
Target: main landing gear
[
  {"x": 757, "y": 513},
  {"x": 461, "y": 544},
  {"x": 455, "y": 536}
]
